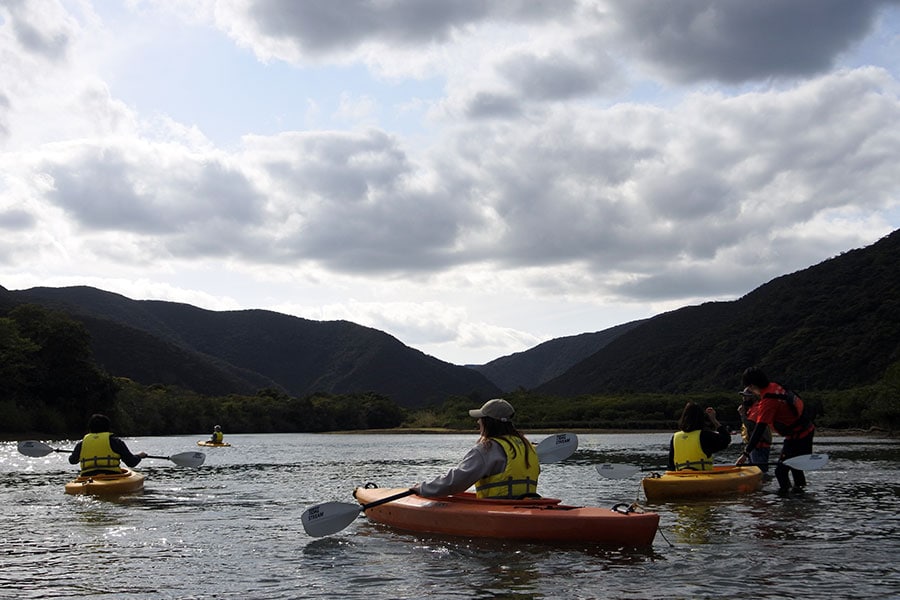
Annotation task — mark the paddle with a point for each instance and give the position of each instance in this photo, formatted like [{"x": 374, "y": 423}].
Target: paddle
[
  {"x": 36, "y": 449},
  {"x": 805, "y": 462},
  {"x": 556, "y": 447},
  {"x": 331, "y": 517}
]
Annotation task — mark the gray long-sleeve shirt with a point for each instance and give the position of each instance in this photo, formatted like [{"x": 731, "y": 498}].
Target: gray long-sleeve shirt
[{"x": 481, "y": 461}]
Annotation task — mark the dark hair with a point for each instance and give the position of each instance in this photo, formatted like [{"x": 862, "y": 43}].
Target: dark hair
[
  {"x": 98, "y": 423},
  {"x": 755, "y": 377},
  {"x": 693, "y": 417},
  {"x": 496, "y": 428}
]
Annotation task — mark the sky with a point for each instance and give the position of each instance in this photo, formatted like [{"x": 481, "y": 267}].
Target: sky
[{"x": 471, "y": 177}]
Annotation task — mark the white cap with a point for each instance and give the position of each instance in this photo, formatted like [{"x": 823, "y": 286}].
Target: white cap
[{"x": 498, "y": 408}]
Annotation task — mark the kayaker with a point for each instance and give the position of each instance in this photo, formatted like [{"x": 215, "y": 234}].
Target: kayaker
[
  {"x": 217, "y": 435},
  {"x": 747, "y": 411},
  {"x": 100, "y": 451},
  {"x": 784, "y": 412},
  {"x": 700, "y": 435},
  {"x": 503, "y": 464}
]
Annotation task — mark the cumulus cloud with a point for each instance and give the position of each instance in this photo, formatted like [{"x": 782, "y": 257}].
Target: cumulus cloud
[{"x": 734, "y": 41}]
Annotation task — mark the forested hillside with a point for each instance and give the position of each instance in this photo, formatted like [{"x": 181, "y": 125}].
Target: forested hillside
[
  {"x": 832, "y": 326},
  {"x": 530, "y": 368},
  {"x": 221, "y": 352}
]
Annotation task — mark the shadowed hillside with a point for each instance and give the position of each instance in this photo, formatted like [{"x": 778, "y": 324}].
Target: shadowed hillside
[
  {"x": 241, "y": 351},
  {"x": 531, "y": 368},
  {"x": 832, "y": 326}
]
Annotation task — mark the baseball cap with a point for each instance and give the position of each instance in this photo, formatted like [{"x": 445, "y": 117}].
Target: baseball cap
[{"x": 498, "y": 408}]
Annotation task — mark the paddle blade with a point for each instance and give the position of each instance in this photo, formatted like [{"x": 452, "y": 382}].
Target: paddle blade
[
  {"x": 328, "y": 518},
  {"x": 807, "y": 462},
  {"x": 188, "y": 459},
  {"x": 557, "y": 447},
  {"x": 34, "y": 449},
  {"x": 613, "y": 471}
]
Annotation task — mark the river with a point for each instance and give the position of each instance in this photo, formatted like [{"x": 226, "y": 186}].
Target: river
[{"x": 231, "y": 528}]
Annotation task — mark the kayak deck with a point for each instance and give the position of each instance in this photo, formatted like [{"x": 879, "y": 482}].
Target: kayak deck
[
  {"x": 539, "y": 519},
  {"x": 721, "y": 481},
  {"x": 125, "y": 482}
]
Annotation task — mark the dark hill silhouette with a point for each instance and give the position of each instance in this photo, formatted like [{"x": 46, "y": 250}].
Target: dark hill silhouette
[
  {"x": 220, "y": 352},
  {"x": 531, "y": 368},
  {"x": 835, "y": 325}
]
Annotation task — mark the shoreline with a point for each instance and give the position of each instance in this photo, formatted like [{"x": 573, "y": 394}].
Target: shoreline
[{"x": 821, "y": 431}]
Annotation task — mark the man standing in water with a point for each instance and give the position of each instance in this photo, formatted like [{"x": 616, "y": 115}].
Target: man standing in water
[{"x": 783, "y": 411}]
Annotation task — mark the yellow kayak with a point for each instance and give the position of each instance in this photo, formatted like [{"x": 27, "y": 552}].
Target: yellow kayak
[
  {"x": 210, "y": 444},
  {"x": 721, "y": 481},
  {"x": 125, "y": 482}
]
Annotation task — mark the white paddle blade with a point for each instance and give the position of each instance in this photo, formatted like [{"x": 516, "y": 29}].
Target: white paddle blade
[
  {"x": 807, "y": 462},
  {"x": 557, "y": 447},
  {"x": 328, "y": 518},
  {"x": 188, "y": 459},
  {"x": 613, "y": 471},
  {"x": 34, "y": 449}
]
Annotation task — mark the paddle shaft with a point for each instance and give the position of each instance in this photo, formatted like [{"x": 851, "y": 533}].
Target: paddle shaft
[{"x": 365, "y": 507}]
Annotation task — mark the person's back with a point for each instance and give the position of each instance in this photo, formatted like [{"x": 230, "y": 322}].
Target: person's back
[
  {"x": 100, "y": 452},
  {"x": 692, "y": 447}
]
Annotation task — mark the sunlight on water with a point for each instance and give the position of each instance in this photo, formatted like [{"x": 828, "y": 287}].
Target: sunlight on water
[{"x": 232, "y": 528}]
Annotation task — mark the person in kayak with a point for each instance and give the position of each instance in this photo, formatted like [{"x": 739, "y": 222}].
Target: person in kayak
[
  {"x": 217, "y": 436},
  {"x": 100, "y": 451},
  {"x": 700, "y": 435},
  {"x": 503, "y": 464},
  {"x": 747, "y": 411},
  {"x": 784, "y": 412}
]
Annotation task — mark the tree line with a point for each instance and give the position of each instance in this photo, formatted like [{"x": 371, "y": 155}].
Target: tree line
[{"x": 50, "y": 384}]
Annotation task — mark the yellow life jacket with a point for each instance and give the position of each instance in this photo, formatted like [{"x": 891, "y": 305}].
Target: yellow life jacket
[
  {"x": 97, "y": 454},
  {"x": 517, "y": 479},
  {"x": 688, "y": 453},
  {"x": 217, "y": 437}
]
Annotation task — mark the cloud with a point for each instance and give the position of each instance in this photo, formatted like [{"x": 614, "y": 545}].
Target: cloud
[
  {"x": 298, "y": 31},
  {"x": 734, "y": 41},
  {"x": 40, "y": 29}
]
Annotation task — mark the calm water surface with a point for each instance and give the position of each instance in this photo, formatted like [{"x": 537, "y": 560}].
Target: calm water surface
[{"x": 231, "y": 529}]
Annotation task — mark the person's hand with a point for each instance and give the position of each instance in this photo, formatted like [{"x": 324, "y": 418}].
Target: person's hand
[
  {"x": 711, "y": 413},
  {"x": 742, "y": 410},
  {"x": 741, "y": 459}
]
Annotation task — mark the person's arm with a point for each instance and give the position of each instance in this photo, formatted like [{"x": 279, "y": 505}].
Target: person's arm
[
  {"x": 75, "y": 456},
  {"x": 715, "y": 441},
  {"x": 119, "y": 447},
  {"x": 671, "y": 464},
  {"x": 479, "y": 462}
]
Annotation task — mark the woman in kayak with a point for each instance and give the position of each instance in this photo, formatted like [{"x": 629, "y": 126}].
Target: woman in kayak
[
  {"x": 503, "y": 464},
  {"x": 700, "y": 435},
  {"x": 217, "y": 436},
  {"x": 100, "y": 451},
  {"x": 784, "y": 412}
]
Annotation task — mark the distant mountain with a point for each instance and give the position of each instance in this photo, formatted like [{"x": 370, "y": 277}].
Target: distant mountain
[
  {"x": 531, "y": 368},
  {"x": 834, "y": 326},
  {"x": 240, "y": 352}
]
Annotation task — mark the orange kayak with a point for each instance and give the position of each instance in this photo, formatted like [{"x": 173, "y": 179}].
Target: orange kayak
[
  {"x": 540, "y": 519},
  {"x": 126, "y": 482},
  {"x": 721, "y": 481}
]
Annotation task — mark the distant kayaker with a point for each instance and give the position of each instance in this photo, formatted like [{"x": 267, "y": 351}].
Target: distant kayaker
[
  {"x": 784, "y": 412},
  {"x": 700, "y": 435},
  {"x": 217, "y": 435},
  {"x": 748, "y": 410},
  {"x": 100, "y": 451},
  {"x": 503, "y": 464}
]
